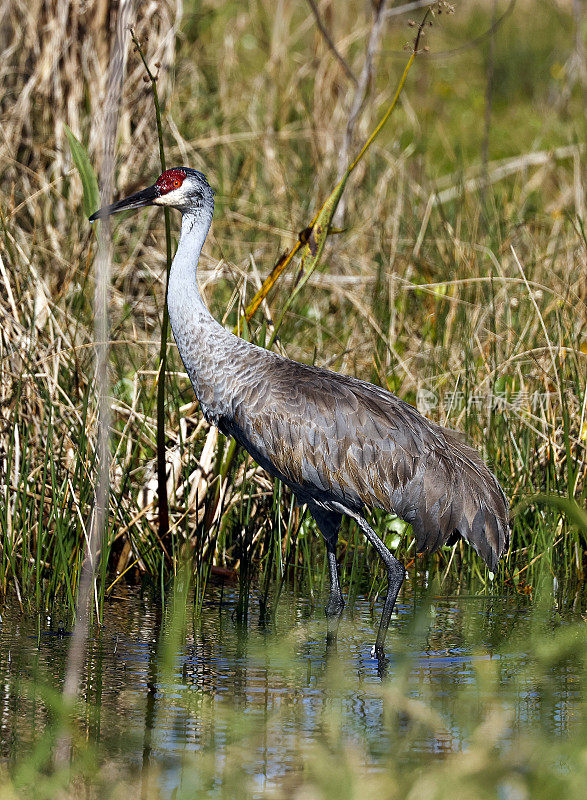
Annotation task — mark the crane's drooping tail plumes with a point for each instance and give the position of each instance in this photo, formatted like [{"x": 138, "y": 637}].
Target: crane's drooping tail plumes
[{"x": 459, "y": 496}]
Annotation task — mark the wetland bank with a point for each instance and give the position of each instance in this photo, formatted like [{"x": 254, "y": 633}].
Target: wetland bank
[{"x": 458, "y": 282}]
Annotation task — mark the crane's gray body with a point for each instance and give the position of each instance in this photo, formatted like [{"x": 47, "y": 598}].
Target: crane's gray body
[{"x": 339, "y": 443}]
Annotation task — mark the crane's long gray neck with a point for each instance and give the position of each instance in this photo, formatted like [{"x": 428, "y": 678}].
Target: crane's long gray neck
[{"x": 204, "y": 345}]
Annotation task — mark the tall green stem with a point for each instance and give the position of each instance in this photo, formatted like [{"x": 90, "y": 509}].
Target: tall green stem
[{"x": 163, "y": 503}]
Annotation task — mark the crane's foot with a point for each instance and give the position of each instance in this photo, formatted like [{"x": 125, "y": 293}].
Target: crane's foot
[
  {"x": 382, "y": 660},
  {"x": 333, "y": 612},
  {"x": 395, "y": 577},
  {"x": 331, "y": 641}
]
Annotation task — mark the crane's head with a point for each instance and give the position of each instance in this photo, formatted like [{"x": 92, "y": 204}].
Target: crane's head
[{"x": 183, "y": 188}]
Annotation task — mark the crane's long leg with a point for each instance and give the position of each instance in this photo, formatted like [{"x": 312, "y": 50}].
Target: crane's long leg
[
  {"x": 329, "y": 523},
  {"x": 395, "y": 577},
  {"x": 335, "y": 603}
]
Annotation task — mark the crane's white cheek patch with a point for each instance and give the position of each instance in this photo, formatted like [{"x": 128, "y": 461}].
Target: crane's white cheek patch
[{"x": 173, "y": 197}]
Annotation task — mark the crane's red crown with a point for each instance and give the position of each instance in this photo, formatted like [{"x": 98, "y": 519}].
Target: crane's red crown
[{"x": 169, "y": 180}]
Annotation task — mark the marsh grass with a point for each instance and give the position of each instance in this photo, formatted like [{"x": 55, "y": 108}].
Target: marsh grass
[{"x": 450, "y": 281}]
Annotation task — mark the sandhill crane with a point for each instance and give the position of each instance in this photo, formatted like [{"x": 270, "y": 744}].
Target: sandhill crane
[{"x": 340, "y": 444}]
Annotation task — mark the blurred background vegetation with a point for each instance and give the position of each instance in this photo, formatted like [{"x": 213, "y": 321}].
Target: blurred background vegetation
[{"x": 458, "y": 281}]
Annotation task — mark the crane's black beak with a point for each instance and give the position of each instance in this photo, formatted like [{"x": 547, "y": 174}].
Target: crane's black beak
[{"x": 143, "y": 198}]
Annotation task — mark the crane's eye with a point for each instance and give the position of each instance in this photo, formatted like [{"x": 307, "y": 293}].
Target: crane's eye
[{"x": 176, "y": 184}]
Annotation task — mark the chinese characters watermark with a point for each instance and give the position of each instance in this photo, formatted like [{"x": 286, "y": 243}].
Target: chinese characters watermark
[{"x": 458, "y": 400}]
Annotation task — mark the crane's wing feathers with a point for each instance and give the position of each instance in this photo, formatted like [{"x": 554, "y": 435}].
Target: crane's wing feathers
[{"x": 337, "y": 439}]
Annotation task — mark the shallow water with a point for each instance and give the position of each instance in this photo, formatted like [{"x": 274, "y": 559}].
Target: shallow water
[{"x": 269, "y": 692}]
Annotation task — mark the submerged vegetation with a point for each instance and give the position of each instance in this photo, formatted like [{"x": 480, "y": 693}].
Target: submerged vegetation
[{"x": 483, "y": 699}]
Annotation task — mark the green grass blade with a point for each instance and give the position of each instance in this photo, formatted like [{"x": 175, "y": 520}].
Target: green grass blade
[
  {"x": 86, "y": 172},
  {"x": 569, "y": 507}
]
